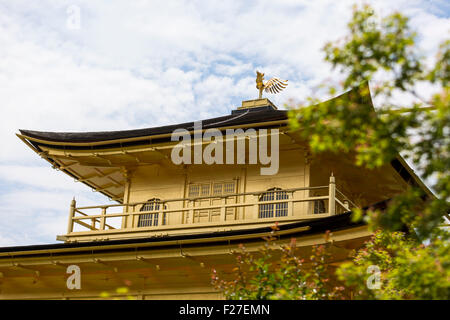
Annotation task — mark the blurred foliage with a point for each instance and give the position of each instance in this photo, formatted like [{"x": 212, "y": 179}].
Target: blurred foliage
[
  {"x": 409, "y": 246},
  {"x": 121, "y": 293},
  {"x": 384, "y": 51},
  {"x": 407, "y": 270},
  {"x": 278, "y": 273}
]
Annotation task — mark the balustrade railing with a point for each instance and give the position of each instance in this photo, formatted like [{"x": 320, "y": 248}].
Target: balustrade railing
[{"x": 236, "y": 208}]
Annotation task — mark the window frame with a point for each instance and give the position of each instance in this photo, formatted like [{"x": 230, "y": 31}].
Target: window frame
[
  {"x": 152, "y": 217},
  {"x": 199, "y": 186},
  {"x": 273, "y": 210}
]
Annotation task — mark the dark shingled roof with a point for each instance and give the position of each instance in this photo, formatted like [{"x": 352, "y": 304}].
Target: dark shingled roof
[{"x": 247, "y": 117}]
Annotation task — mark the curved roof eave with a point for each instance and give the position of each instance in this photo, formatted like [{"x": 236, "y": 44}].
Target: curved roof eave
[{"x": 84, "y": 138}]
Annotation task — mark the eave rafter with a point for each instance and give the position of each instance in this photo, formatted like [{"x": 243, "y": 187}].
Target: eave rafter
[
  {"x": 68, "y": 168},
  {"x": 100, "y": 174},
  {"x": 107, "y": 158},
  {"x": 132, "y": 156},
  {"x": 107, "y": 186},
  {"x": 96, "y": 155},
  {"x": 88, "y": 179},
  {"x": 68, "y": 165},
  {"x": 108, "y": 176}
]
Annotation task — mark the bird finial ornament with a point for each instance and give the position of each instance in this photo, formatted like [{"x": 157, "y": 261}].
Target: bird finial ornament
[{"x": 274, "y": 85}]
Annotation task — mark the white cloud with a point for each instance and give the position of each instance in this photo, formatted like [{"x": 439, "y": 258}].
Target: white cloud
[{"x": 147, "y": 63}]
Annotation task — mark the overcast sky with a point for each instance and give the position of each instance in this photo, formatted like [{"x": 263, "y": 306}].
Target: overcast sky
[{"x": 137, "y": 64}]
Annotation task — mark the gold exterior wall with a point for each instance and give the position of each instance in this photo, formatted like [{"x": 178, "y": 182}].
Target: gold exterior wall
[{"x": 149, "y": 271}]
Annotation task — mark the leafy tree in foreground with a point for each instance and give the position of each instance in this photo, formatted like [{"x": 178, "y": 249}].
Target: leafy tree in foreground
[
  {"x": 409, "y": 248},
  {"x": 414, "y": 264},
  {"x": 278, "y": 273}
]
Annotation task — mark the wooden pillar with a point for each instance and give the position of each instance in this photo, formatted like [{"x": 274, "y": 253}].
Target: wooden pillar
[
  {"x": 291, "y": 205},
  {"x": 126, "y": 220},
  {"x": 191, "y": 205},
  {"x": 73, "y": 205},
  {"x": 103, "y": 219},
  {"x": 255, "y": 206},
  {"x": 223, "y": 210},
  {"x": 332, "y": 196}
]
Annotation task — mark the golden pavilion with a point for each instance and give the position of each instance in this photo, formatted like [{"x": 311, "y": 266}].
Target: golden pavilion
[{"x": 171, "y": 223}]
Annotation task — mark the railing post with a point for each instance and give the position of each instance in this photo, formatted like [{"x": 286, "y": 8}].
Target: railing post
[
  {"x": 291, "y": 205},
  {"x": 103, "y": 219},
  {"x": 332, "y": 196},
  {"x": 130, "y": 218},
  {"x": 133, "y": 216},
  {"x": 73, "y": 205},
  {"x": 255, "y": 207},
  {"x": 223, "y": 213},
  {"x": 191, "y": 212}
]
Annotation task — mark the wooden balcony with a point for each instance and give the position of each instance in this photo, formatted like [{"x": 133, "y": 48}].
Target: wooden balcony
[{"x": 190, "y": 215}]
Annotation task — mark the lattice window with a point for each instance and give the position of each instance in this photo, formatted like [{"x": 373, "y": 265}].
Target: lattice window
[
  {"x": 151, "y": 219},
  {"x": 268, "y": 210},
  {"x": 216, "y": 194},
  {"x": 214, "y": 189},
  {"x": 205, "y": 190},
  {"x": 229, "y": 187},
  {"x": 217, "y": 188},
  {"x": 194, "y": 190}
]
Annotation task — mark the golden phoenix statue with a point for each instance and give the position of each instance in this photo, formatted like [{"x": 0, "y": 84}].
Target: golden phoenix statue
[{"x": 274, "y": 85}]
